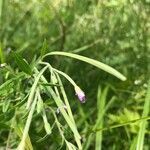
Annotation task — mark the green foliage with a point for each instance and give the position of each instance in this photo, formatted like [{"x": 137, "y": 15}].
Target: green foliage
[
  {"x": 22, "y": 64},
  {"x": 38, "y": 107}
]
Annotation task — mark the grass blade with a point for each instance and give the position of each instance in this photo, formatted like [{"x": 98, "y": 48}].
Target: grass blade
[
  {"x": 101, "y": 100},
  {"x": 27, "y": 126},
  {"x": 120, "y": 125},
  {"x": 141, "y": 134}
]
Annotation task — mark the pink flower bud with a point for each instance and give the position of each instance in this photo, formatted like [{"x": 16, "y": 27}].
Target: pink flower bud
[{"x": 80, "y": 94}]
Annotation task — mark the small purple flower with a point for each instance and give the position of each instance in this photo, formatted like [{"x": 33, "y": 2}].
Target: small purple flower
[{"x": 80, "y": 94}]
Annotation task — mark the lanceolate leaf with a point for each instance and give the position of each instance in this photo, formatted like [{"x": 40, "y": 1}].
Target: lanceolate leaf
[{"x": 22, "y": 64}]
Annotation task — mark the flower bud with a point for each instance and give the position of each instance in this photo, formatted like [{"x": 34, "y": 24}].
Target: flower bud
[{"x": 80, "y": 94}]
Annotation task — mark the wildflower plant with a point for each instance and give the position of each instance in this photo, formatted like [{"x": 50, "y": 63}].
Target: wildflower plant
[
  {"x": 33, "y": 102},
  {"x": 38, "y": 110}
]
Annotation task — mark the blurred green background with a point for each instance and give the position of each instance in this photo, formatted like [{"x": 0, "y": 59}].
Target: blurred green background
[{"x": 115, "y": 32}]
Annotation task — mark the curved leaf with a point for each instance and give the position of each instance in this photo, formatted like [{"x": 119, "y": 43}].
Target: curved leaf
[{"x": 92, "y": 62}]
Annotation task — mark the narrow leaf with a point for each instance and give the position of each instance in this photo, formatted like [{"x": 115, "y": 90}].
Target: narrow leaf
[
  {"x": 22, "y": 64},
  {"x": 44, "y": 48},
  {"x": 143, "y": 124},
  {"x": 92, "y": 62}
]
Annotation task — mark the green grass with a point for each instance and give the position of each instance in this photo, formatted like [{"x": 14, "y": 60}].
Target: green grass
[{"x": 143, "y": 124}]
